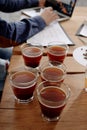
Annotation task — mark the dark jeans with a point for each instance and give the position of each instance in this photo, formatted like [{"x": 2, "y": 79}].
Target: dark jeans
[{"x": 5, "y": 53}]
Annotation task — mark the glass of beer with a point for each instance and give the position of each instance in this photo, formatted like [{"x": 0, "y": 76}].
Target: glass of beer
[
  {"x": 23, "y": 84},
  {"x": 52, "y": 99},
  {"x": 32, "y": 55},
  {"x": 53, "y": 71},
  {"x": 57, "y": 51}
]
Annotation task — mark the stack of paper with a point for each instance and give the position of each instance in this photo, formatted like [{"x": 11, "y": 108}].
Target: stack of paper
[{"x": 53, "y": 32}]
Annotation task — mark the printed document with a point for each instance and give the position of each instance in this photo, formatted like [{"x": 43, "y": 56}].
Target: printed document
[
  {"x": 82, "y": 31},
  {"x": 53, "y": 32}
]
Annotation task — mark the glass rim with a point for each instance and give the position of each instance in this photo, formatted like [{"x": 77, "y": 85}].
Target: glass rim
[
  {"x": 54, "y": 63},
  {"x": 30, "y": 54},
  {"x": 60, "y": 44},
  {"x": 25, "y": 45},
  {"x": 25, "y": 84},
  {"x": 59, "y": 78},
  {"x": 58, "y": 87}
]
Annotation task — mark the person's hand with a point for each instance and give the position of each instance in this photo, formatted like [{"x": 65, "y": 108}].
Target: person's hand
[
  {"x": 42, "y": 3},
  {"x": 49, "y": 15}
]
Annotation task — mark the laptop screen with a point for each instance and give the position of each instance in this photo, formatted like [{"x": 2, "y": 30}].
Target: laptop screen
[{"x": 62, "y": 6}]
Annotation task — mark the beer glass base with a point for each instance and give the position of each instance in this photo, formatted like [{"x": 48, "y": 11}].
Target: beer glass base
[
  {"x": 32, "y": 69},
  {"x": 50, "y": 119},
  {"x": 24, "y": 101},
  {"x": 28, "y": 68}
]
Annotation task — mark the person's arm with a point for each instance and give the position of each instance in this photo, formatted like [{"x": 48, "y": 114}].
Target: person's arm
[
  {"x": 16, "y": 5},
  {"x": 12, "y": 34}
]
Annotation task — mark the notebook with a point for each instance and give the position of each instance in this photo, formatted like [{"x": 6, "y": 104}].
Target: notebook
[
  {"x": 64, "y": 8},
  {"x": 53, "y": 32}
]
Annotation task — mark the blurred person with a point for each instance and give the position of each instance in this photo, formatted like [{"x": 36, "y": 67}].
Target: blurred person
[{"x": 15, "y": 33}]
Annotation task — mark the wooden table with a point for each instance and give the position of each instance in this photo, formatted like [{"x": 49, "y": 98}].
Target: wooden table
[{"x": 14, "y": 116}]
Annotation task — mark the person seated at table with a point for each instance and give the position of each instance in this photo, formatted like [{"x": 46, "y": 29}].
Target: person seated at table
[
  {"x": 5, "y": 55},
  {"x": 15, "y": 33}
]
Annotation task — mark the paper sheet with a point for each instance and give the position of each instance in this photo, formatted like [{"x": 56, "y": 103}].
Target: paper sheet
[
  {"x": 32, "y": 12},
  {"x": 53, "y": 32},
  {"x": 83, "y": 31}
]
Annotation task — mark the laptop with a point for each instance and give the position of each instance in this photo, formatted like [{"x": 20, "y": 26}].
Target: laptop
[{"x": 64, "y": 8}]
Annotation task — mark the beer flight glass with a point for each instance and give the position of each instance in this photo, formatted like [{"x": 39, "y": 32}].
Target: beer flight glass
[
  {"x": 23, "y": 83},
  {"x": 52, "y": 99},
  {"x": 53, "y": 71},
  {"x": 32, "y": 55},
  {"x": 57, "y": 51}
]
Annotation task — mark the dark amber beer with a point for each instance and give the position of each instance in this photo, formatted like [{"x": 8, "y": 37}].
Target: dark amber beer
[
  {"x": 23, "y": 84},
  {"x": 32, "y": 56},
  {"x": 53, "y": 74},
  {"x": 57, "y": 52},
  {"x": 52, "y": 94},
  {"x": 52, "y": 99}
]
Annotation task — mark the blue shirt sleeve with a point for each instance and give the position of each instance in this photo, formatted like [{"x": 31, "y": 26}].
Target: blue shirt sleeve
[
  {"x": 2, "y": 69},
  {"x": 19, "y": 32},
  {"x": 15, "y": 33},
  {"x": 15, "y": 5}
]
